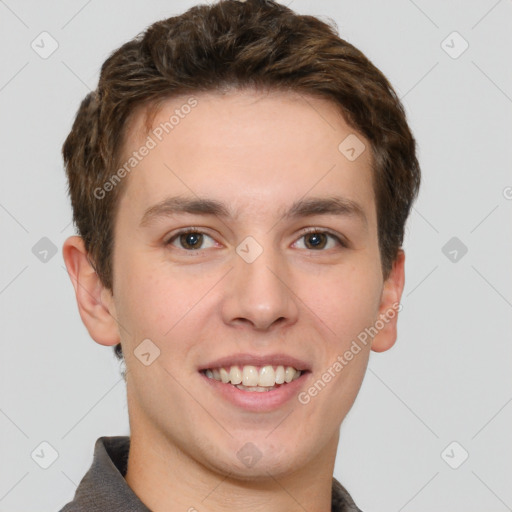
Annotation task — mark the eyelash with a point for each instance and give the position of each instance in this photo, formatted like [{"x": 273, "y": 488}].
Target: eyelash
[{"x": 306, "y": 231}]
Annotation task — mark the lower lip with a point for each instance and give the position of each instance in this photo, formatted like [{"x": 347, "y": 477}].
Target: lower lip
[{"x": 258, "y": 401}]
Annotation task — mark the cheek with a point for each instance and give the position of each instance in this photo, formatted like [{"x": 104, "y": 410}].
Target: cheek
[
  {"x": 161, "y": 302},
  {"x": 344, "y": 306},
  {"x": 345, "y": 301},
  {"x": 148, "y": 302}
]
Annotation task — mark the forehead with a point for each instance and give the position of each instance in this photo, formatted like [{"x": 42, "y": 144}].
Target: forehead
[{"x": 247, "y": 148}]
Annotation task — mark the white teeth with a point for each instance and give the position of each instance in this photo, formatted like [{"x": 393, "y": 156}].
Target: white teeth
[
  {"x": 235, "y": 375},
  {"x": 254, "y": 388},
  {"x": 280, "y": 375},
  {"x": 254, "y": 378},
  {"x": 289, "y": 373},
  {"x": 267, "y": 376},
  {"x": 224, "y": 375},
  {"x": 250, "y": 376}
]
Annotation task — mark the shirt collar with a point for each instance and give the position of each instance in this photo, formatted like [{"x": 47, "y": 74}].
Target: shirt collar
[{"x": 104, "y": 488}]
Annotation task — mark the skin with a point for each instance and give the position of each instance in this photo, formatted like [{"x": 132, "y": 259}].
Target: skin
[{"x": 257, "y": 153}]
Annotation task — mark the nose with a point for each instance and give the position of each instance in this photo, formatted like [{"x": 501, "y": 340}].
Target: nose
[{"x": 259, "y": 294}]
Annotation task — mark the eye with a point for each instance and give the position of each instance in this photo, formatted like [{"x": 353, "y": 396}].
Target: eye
[
  {"x": 317, "y": 239},
  {"x": 190, "y": 239}
]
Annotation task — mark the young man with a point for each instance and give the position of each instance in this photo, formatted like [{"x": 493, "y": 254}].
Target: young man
[{"x": 240, "y": 181}]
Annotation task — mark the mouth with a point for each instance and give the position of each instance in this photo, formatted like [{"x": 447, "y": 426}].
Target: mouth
[
  {"x": 256, "y": 383},
  {"x": 252, "y": 378}
]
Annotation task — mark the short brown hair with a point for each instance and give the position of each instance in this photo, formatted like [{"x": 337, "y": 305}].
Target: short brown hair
[{"x": 235, "y": 44}]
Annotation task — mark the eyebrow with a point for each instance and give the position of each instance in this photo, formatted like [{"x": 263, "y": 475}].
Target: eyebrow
[{"x": 334, "y": 205}]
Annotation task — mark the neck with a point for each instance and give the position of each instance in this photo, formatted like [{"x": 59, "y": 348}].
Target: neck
[{"x": 167, "y": 479}]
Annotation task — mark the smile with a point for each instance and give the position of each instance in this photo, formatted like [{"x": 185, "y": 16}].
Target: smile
[
  {"x": 249, "y": 394},
  {"x": 254, "y": 378}
]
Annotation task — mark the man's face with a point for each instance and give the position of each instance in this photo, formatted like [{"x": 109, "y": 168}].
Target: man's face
[{"x": 251, "y": 287}]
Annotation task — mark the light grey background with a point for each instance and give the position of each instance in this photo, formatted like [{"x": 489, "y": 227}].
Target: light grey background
[{"x": 448, "y": 377}]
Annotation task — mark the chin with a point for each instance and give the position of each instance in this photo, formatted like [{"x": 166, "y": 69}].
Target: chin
[{"x": 257, "y": 461}]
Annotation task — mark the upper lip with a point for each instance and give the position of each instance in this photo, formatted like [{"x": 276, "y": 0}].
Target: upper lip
[{"x": 257, "y": 360}]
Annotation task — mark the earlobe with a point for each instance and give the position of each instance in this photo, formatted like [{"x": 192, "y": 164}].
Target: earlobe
[
  {"x": 386, "y": 322},
  {"x": 98, "y": 314}
]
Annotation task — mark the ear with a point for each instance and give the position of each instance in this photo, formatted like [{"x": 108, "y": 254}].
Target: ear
[
  {"x": 390, "y": 305},
  {"x": 95, "y": 302}
]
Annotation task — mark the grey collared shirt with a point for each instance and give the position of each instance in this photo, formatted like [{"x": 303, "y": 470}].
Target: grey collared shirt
[{"x": 104, "y": 489}]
